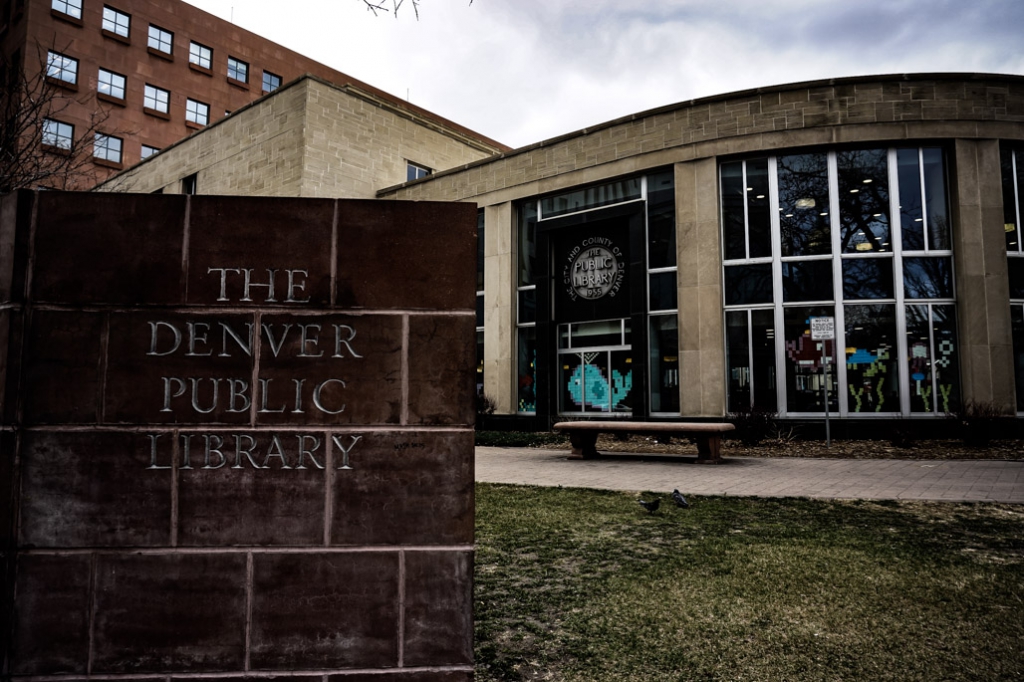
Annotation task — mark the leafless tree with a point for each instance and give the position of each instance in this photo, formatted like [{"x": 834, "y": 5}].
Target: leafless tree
[
  {"x": 36, "y": 149},
  {"x": 392, "y": 6}
]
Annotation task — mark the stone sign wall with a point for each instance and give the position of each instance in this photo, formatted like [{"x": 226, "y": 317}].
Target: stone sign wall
[{"x": 237, "y": 437}]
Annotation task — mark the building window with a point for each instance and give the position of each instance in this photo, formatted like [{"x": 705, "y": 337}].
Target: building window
[
  {"x": 111, "y": 84},
  {"x": 415, "y": 171},
  {"x": 148, "y": 151},
  {"x": 270, "y": 82},
  {"x": 197, "y": 112},
  {"x": 62, "y": 68},
  {"x": 238, "y": 70},
  {"x": 861, "y": 236},
  {"x": 200, "y": 55},
  {"x": 189, "y": 184},
  {"x": 72, "y": 8},
  {"x": 1012, "y": 160},
  {"x": 160, "y": 40},
  {"x": 156, "y": 99},
  {"x": 58, "y": 135},
  {"x": 107, "y": 147},
  {"x": 116, "y": 22}
]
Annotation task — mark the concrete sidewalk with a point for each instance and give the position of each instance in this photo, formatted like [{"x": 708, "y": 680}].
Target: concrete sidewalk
[{"x": 945, "y": 480}]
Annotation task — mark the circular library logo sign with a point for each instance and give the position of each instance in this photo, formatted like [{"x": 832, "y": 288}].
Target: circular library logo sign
[{"x": 594, "y": 269}]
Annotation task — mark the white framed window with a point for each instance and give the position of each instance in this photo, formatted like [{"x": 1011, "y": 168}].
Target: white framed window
[
  {"x": 107, "y": 147},
  {"x": 271, "y": 82},
  {"x": 156, "y": 99},
  {"x": 58, "y": 134},
  {"x": 414, "y": 171},
  {"x": 61, "y": 67},
  {"x": 72, "y": 8},
  {"x": 197, "y": 112},
  {"x": 148, "y": 151},
  {"x": 238, "y": 70},
  {"x": 116, "y": 22},
  {"x": 200, "y": 55},
  {"x": 111, "y": 84},
  {"x": 161, "y": 40}
]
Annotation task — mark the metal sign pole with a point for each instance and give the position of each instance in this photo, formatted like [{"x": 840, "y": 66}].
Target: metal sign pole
[{"x": 824, "y": 386}]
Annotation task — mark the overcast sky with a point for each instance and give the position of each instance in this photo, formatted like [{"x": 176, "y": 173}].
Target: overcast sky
[{"x": 521, "y": 71}]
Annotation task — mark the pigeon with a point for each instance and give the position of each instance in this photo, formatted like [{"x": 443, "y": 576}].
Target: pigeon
[
  {"x": 651, "y": 506},
  {"x": 680, "y": 501}
]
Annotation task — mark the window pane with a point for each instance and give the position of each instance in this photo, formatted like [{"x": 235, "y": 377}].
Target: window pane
[
  {"x": 661, "y": 221},
  {"x": 480, "y": 250},
  {"x": 927, "y": 278},
  {"x": 527, "y": 243},
  {"x": 111, "y": 84},
  {"x": 804, "y": 205},
  {"x": 61, "y": 68},
  {"x": 733, "y": 215},
  {"x": 592, "y": 197},
  {"x": 596, "y": 382},
  {"x": 664, "y": 363},
  {"x": 872, "y": 373},
  {"x": 270, "y": 82},
  {"x": 200, "y": 55},
  {"x": 762, "y": 333},
  {"x": 934, "y": 376},
  {"x": 809, "y": 280},
  {"x": 57, "y": 134},
  {"x": 116, "y": 22},
  {"x": 867, "y": 278},
  {"x": 527, "y": 306},
  {"x": 1015, "y": 266},
  {"x": 737, "y": 358},
  {"x": 1017, "y": 325},
  {"x": 935, "y": 196},
  {"x": 480, "y": 311},
  {"x": 148, "y": 151},
  {"x": 238, "y": 70},
  {"x": 70, "y": 7},
  {"x": 911, "y": 206},
  {"x": 160, "y": 39},
  {"x": 479, "y": 363},
  {"x": 663, "y": 291},
  {"x": 804, "y": 388},
  {"x": 527, "y": 370},
  {"x": 864, "y": 200},
  {"x": 758, "y": 209},
  {"x": 748, "y": 284}
]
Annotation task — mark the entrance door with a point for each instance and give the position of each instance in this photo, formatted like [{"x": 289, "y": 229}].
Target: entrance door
[{"x": 595, "y": 313}]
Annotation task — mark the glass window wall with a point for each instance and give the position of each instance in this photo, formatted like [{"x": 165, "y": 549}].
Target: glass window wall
[{"x": 861, "y": 236}]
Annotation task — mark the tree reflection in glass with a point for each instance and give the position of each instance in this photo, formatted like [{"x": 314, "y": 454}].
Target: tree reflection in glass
[
  {"x": 864, "y": 201},
  {"x": 804, "y": 205},
  {"x": 872, "y": 373}
]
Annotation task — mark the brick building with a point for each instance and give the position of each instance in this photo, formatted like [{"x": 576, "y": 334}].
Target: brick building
[
  {"x": 668, "y": 264},
  {"x": 158, "y": 70}
]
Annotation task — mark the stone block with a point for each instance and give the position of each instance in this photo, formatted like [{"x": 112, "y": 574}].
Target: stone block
[
  {"x": 108, "y": 249},
  {"x": 402, "y": 238},
  {"x": 169, "y": 613},
  {"x": 281, "y": 241},
  {"x": 52, "y": 619},
  {"x": 402, "y": 487},
  {"x": 438, "y": 608},
  {"x": 61, "y": 367},
  {"x": 442, "y": 355},
  {"x": 82, "y": 489},
  {"x": 325, "y": 611}
]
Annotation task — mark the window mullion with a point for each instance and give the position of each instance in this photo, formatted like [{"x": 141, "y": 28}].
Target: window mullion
[
  {"x": 746, "y": 216},
  {"x": 837, "y": 282},
  {"x": 776, "y": 239},
  {"x": 896, "y": 240}
]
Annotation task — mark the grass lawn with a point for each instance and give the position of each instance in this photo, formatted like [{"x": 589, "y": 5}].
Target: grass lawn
[{"x": 576, "y": 584}]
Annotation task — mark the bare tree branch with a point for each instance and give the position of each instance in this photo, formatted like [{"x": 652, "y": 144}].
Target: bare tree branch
[
  {"x": 377, "y": 6},
  {"x": 34, "y": 150}
]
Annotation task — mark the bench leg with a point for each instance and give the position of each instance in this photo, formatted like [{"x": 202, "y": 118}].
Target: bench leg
[
  {"x": 583, "y": 444},
  {"x": 709, "y": 449}
]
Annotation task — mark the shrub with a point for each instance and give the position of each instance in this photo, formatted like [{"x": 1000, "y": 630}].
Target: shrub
[
  {"x": 753, "y": 424},
  {"x": 519, "y": 439},
  {"x": 976, "y": 422}
]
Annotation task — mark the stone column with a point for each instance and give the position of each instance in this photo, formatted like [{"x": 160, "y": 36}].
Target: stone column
[
  {"x": 499, "y": 308},
  {"x": 982, "y": 287},
  {"x": 701, "y": 330}
]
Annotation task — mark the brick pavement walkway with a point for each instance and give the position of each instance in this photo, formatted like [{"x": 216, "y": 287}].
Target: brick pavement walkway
[{"x": 947, "y": 480}]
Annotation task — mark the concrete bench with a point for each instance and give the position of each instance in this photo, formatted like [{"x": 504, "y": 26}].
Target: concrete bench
[{"x": 583, "y": 435}]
